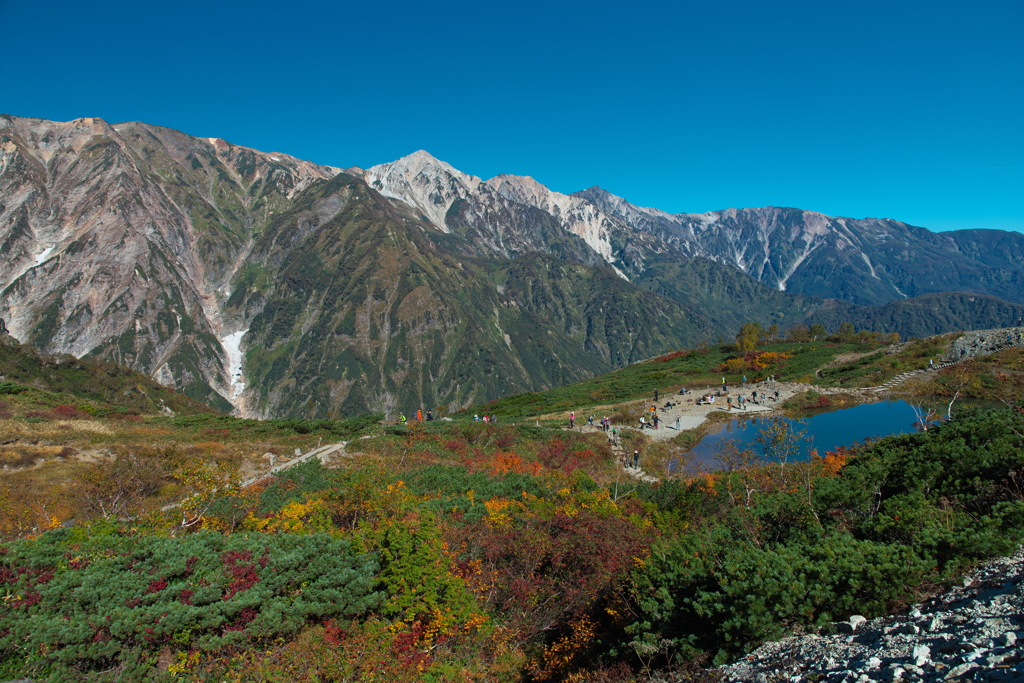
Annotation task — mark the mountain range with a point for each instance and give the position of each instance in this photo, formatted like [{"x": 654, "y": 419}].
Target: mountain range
[{"x": 272, "y": 286}]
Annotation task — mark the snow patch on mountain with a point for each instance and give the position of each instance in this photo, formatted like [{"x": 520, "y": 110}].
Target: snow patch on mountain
[
  {"x": 232, "y": 344},
  {"x": 44, "y": 254}
]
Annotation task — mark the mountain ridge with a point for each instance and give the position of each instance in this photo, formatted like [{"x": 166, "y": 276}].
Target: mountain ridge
[{"x": 263, "y": 283}]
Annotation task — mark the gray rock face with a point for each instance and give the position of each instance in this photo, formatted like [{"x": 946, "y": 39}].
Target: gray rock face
[
  {"x": 119, "y": 240},
  {"x": 969, "y": 633}
]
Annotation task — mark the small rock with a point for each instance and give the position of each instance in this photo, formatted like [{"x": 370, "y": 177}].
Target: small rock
[
  {"x": 896, "y": 673},
  {"x": 960, "y": 670},
  {"x": 855, "y": 622},
  {"x": 922, "y": 655},
  {"x": 873, "y": 663},
  {"x": 1009, "y": 639},
  {"x": 934, "y": 625},
  {"x": 916, "y": 614}
]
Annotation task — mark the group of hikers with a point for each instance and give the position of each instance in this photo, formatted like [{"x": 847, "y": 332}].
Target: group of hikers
[
  {"x": 651, "y": 419},
  {"x": 419, "y": 417}
]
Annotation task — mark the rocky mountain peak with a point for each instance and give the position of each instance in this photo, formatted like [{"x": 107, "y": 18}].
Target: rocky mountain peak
[{"x": 423, "y": 182}]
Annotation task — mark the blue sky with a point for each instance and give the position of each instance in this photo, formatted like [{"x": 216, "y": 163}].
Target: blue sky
[{"x": 906, "y": 110}]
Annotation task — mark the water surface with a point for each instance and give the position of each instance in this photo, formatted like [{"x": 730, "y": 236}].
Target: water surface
[{"x": 827, "y": 430}]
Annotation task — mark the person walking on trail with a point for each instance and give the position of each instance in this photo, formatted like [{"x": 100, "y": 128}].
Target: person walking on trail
[
  {"x": 572, "y": 419},
  {"x": 636, "y": 459},
  {"x": 590, "y": 421},
  {"x": 744, "y": 379},
  {"x": 678, "y": 423},
  {"x": 655, "y": 420},
  {"x": 655, "y": 395},
  {"x": 729, "y": 400}
]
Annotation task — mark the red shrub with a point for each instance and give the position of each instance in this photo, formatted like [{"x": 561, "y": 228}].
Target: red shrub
[{"x": 70, "y": 413}]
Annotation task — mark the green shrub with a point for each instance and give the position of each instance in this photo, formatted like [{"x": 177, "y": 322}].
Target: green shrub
[{"x": 86, "y": 603}]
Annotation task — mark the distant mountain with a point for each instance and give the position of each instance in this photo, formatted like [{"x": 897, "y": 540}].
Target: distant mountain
[
  {"x": 272, "y": 286},
  {"x": 867, "y": 261}
]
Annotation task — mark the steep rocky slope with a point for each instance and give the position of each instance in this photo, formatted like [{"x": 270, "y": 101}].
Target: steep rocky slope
[
  {"x": 368, "y": 309},
  {"x": 119, "y": 241}
]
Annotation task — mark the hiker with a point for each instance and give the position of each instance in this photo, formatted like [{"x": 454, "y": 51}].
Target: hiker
[
  {"x": 744, "y": 380},
  {"x": 655, "y": 420},
  {"x": 931, "y": 362},
  {"x": 729, "y": 399},
  {"x": 753, "y": 396},
  {"x": 476, "y": 418},
  {"x": 419, "y": 416},
  {"x": 572, "y": 419},
  {"x": 636, "y": 459},
  {"x": 590, "y": 421},
  {"x": 776, "y": 394},
  {"x": 655, "y": 395},
  {"x": 678, "y": 423},
  {"x": 430, "y": 416},
  {"x": 762, "y": 398},
  {"x": 643, "y": 422},
  {"x": 486, "y": 419}
]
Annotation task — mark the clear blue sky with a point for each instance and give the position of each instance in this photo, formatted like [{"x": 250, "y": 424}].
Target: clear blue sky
[{"x": 906, "y": 110}]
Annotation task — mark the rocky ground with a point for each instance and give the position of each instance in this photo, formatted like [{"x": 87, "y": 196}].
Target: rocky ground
[{"x": 973, "y": 632}]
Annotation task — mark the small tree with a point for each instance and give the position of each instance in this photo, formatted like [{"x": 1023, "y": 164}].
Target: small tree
[
  {"x": 114, "y": 490},
  {"x": 799, "y": 333},
  {"x": 818, "y": 331},
  {"x": 781, "y": 440},
  {"x": 749, "y": 336}
]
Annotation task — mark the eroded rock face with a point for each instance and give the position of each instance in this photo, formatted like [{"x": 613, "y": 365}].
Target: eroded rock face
[
  {"x": 119, "y": 240},
  {"x": 968, "y": 633}
]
